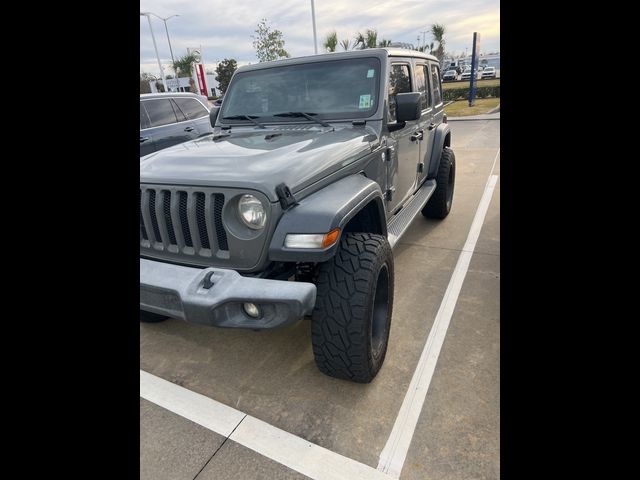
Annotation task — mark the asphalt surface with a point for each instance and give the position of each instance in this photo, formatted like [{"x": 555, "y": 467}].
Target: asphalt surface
[{"x": 271, "y": 375}]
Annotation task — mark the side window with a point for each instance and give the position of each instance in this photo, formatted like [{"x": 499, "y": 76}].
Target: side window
[
  {"x": 160, "y": 112},
  {"x": 422, "y": 85},
  {"x": 437, "y": 87},
  {"x": 144, "y": 118},
  {"x": 191, "y": 108},
  {"x": 179, "y": 115},
  {"x": 399, "y": 82}
]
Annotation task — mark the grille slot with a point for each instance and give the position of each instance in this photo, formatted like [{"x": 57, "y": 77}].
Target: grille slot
[
  {"x": 221, "y": 233},
  {"x": 143, "y": 230},
  {"x": 154, "y": 218},
  {"x": 166, "y": 197},
  {"x": 184, "y": 219},
  {"x": 202, "y": 220}
]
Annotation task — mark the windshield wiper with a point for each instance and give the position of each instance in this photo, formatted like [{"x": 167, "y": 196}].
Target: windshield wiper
[
  {"x": 302, "y": 114},
  {"x": 245, "y": 117}
]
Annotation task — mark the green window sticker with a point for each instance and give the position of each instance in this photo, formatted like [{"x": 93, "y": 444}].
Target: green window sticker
[
  {"x": 370, "y": 73},
  {"x": 365, "y": 101}
]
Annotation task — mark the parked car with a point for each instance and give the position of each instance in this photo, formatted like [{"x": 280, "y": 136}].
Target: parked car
[
  {"x": 466, "y": 74},
  {"x": 449, "y": 76},
  {"x": 167, "y": 119},
  {"x": 316, "y": 168},
  {"x": 489, "y": 72}
]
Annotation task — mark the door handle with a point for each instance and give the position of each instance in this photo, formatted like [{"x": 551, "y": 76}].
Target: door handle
[
  {"x": 188, "y": 129},
  {"x": 431, "y": 126},
  {"x": 143, "y": 139},
  {"x": 417, "y": 135}
]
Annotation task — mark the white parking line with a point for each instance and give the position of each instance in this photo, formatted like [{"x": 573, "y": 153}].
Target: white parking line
[
  {"x": 395, "y": 450},
  {"x": 289, "y": 450}
]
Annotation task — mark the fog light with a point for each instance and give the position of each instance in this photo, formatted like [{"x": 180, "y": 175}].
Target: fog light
[{"x": 251, "y": 309}]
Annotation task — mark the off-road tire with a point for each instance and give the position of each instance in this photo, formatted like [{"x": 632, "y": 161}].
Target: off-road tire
[
  {"x": 148, "y": 317},
  {"x": 439, "y": 205},
  {"x": 354, "y": 303}
]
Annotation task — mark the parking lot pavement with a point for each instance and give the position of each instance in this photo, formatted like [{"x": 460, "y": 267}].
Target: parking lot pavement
[{"x": 271, "y": 375}]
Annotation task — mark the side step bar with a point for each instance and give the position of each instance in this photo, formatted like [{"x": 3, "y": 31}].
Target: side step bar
[{"x": 401, "y": 221}]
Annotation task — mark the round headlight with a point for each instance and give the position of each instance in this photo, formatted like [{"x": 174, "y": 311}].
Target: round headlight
[{"x": 252, "y": 212}]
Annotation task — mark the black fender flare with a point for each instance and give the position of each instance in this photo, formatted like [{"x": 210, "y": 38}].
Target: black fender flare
[
  {"x": 322, "y": 211},
  {"x": 442, "y": 131}
]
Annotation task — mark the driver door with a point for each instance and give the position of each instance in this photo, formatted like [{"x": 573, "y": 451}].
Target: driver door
[{"x": 404, "y": 149}]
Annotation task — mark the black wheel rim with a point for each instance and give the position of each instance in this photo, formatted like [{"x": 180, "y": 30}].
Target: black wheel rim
[
  {"x": 450, "y": 184},
  {"x": 380, "y": 312}
]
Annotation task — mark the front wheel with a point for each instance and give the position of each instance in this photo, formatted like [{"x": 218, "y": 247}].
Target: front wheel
[{"x": 354, "y": 303}]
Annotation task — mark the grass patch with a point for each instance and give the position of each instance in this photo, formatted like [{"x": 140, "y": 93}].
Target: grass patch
[
  {"x": 479, "y": 83},
  {"x": 461, "y": 108}
]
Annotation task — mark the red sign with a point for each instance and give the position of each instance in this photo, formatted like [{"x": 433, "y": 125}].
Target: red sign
[{"x": 202, "y": 83}]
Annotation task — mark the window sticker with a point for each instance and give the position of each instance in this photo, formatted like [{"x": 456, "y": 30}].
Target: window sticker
[
  {"x": 370, "y": 73},
  {"x": 365, "y": 101}
]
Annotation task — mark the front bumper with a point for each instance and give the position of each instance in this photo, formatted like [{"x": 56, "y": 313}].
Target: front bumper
[{"x": 180, "y": 292}]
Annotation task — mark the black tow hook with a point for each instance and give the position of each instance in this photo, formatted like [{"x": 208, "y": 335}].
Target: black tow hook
[{"x": 207, "y": 283}]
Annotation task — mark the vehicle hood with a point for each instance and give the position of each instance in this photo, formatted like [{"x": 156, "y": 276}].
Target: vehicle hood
[{"x": 260, "y": 159}]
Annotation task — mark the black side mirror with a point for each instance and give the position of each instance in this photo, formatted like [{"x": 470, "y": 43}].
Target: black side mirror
[
  {"x": 213, "y": 115},
  {"x": 408, "y": 106}
]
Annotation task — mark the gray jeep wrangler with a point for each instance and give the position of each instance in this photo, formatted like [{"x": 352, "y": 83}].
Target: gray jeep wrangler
[{"x": 291, "y": 207}]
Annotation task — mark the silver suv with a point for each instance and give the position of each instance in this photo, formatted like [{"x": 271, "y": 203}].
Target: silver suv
[{"x": 167, "y": 119}]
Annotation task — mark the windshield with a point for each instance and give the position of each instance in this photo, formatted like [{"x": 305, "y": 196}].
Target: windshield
[{"x": 335, "y": 89}]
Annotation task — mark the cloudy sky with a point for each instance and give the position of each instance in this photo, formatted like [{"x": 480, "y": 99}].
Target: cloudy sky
[{"x": 223, "y": 28}]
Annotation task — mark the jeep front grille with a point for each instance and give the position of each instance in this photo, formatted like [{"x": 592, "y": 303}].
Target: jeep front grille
[{"x": 182, "y": 221}]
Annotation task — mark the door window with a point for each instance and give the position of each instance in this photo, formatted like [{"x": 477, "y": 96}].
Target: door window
[
  {"x": 399, "y": 82},
  {"x": 160, "y": 112},
  {"x": 422, "y": 85},
  {"x": 192, "y": 108},
  {"x": 435, "y": 80},
  {"x": 144, "y": 118}
]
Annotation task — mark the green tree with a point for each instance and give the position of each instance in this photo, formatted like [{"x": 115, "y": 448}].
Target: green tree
[
  {"x": 384, "y": 43},
  {"x": 185, "y": 64},
  {"x": 224, "y": 72},
  {"x": 345, "y": 44},
  {"x": 145, "y": 78},
  {"x": 269, "y": 44},
  {"x": 438, "y": 31},
  {"x": 331, "y": 41},
  {"x": 368, "y": 40}
]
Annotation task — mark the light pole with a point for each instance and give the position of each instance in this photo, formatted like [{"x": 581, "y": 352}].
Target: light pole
[
  {"x": 166, "y": 30},
  {"x": 313, "y": 18},
  {"x": 164, "y": 80}
]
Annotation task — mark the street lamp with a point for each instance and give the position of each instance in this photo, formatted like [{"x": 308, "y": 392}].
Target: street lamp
[
  {"x": 313, "y": 18},
  {"x": 164, "y": 80},
  {"x": 166, "y": 30}
]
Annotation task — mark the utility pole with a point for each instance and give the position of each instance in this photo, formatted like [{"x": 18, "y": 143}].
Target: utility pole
[{"x": 424, "y": 40}]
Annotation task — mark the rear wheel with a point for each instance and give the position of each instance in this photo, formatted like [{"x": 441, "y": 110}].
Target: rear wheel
[
  {"x": 439, "y": 205},
  {"x": 354, "y": 303},
  {"x": 148, "y": 317}
]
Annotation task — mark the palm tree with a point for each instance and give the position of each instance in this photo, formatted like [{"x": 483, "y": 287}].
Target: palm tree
[
  {"x": 185, "y": 64},
  {"x": 331, "y": 41},
  {"x": 372, "y": 38},
  {"x": 438, "y": 31},
  {"x": 345, "y": 44},
  {"x": 384, "y": 43},
  {"x": 368, "y": 40}
]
